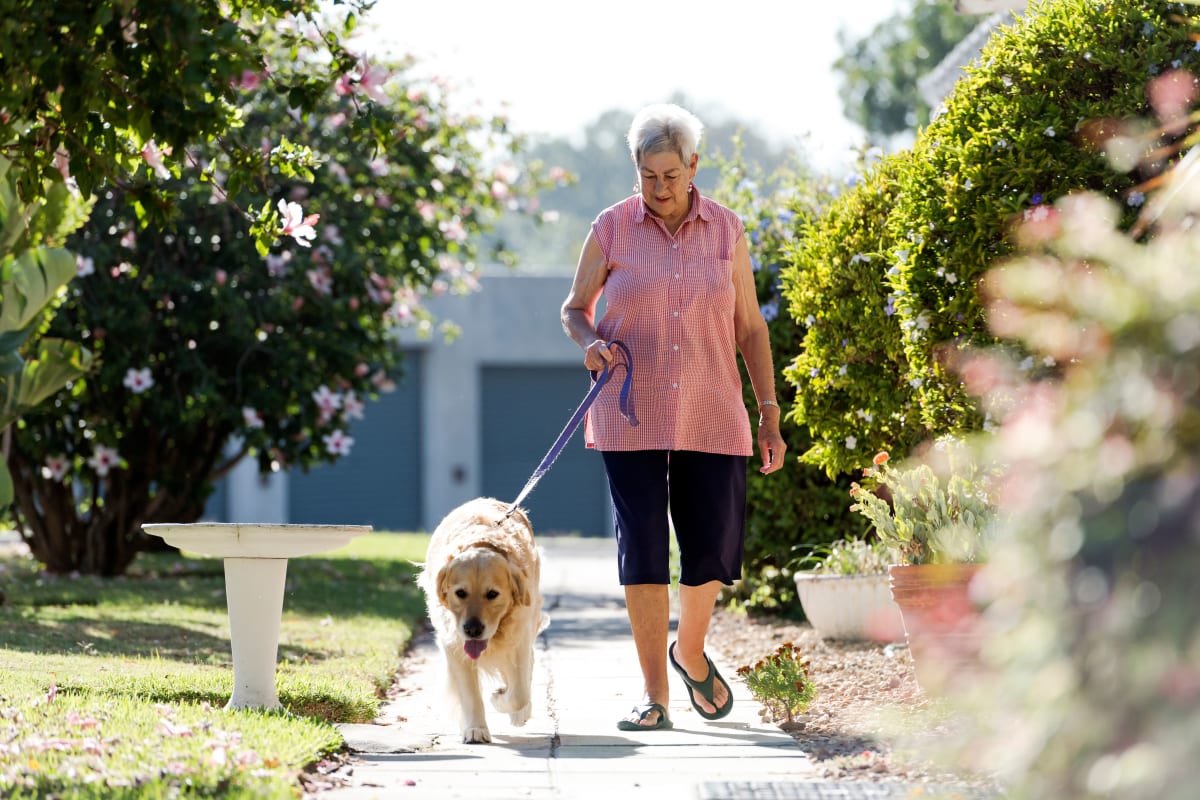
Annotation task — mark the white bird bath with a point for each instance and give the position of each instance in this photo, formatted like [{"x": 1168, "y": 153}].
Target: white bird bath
[{"x": 255, "y": 570}]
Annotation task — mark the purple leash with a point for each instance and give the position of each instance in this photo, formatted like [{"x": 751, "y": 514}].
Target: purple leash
[{"x": 626, "y": 406}]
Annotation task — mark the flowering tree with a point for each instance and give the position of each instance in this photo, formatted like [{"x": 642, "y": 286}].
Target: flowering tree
[
  {"x": 98, "y": 93},
  {"x": 204, "y": 338}
]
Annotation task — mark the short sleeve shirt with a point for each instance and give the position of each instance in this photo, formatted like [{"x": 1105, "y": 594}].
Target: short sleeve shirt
[{"x": 670, "y": 299}]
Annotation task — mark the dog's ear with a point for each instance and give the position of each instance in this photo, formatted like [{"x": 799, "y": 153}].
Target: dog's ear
[
  {"x": 520, "y": 589},
  {"x": 443, "y": 581}
]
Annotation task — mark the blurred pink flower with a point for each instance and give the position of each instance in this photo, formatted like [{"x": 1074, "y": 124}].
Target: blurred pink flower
[
  {"x": 56, "y": 467},
  {"x": 84, "y": 266},
  {"x": 321, "y": 280},
  {"x": 104, "y": 459},
  {"x": 153, "y": 157},
  {"x": 251, "y": 418},
  {"x": 338, "y": 443},
  {"x": 352, "y": 406},
  {"x": 138, "y": 380}
]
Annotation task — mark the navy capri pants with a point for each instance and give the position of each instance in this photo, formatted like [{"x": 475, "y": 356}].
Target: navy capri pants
[{"x": 704, "y": 495}]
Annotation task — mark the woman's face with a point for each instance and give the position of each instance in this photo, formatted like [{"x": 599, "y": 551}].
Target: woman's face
[{"x": 664, "y": 180}]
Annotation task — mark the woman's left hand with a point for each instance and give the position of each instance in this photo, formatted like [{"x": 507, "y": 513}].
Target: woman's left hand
[{"x": 771, "y": 446}]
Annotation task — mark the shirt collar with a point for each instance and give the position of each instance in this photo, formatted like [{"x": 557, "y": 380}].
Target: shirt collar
[{"x": 698, "y": 209}]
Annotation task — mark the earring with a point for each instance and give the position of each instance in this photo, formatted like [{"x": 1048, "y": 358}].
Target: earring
[{"x": 689, "y": 188}]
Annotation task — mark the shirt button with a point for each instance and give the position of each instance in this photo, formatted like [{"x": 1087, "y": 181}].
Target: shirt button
[
  {"x": 675, "y": 246},
  {"x": 674, "y": 385},
  {"x": 675, "y": 313},
  {"x": 676, "y": 347},
  {"x": 676, "y": 276}
]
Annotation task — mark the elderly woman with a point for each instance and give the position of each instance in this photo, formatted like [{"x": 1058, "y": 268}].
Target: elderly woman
[{"x": 679, "y": 292}]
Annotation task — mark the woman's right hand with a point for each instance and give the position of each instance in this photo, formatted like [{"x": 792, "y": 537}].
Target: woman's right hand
[{"x": 597, "y": 356}]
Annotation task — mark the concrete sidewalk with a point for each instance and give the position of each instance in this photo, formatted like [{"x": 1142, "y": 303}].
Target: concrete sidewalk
[{"x": 586, "y": 679}]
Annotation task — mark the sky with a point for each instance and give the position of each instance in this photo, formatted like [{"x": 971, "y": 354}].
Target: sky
[{"x": 555, "y": 65}]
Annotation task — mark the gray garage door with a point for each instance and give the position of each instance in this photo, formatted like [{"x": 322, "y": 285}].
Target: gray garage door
[
  {"x": 524, "y": 410},
  {"x": 379, "y": 483}
]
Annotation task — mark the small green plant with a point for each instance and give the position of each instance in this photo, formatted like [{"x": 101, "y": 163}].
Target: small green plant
[
  {"x": 850, "y": 557},
  {"x": 781, "y": 683},
  {"x": 940, "y": 508}
]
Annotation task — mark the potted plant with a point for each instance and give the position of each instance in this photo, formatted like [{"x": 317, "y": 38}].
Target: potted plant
[
  {"x": 937, "y": 514},
  {"x": 845, "y": 591}
]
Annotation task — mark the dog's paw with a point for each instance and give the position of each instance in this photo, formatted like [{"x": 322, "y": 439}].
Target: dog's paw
[
  {"x": 476, "y": 734},
  {"x": 521, "y": 716}
]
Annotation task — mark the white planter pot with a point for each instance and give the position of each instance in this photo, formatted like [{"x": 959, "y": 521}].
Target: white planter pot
[{"x": 850, "y": 606}]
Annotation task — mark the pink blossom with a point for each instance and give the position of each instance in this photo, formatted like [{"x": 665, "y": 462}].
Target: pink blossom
[
  {"x": 222, "y": 277},
  {"x": 103, "y": 459},
  {"x": 168, "y": 728},
  {"x": 296, "y": 225},
  {"x": 352, "y": 406},
  {"x": 84, "y": 266},
  {"x": 344, "y": 85},
  {"x": 249, "y": 80},
  {"x": 427, "y": 210},
  {"x": 333, "y": 235},
  {"x": 499, "y": 189},
  {"x": 153, "y": 156},
  {"x": 361, "y": 369},
  {"x": 327, "y": 400},
  {"x": 338, "y": 443},
  {"x": 321, "y": 280},
  {"x": 277, "y": 265},
  {"x": 251, "y": 418},
  {"x": 129, "y": 240},
  {"x": 454, "y": 230},
  {"x": 52, "y": 692},
  {"x": 557, "y": 174},
  {"x": 138, "y": 380},
  {"x": 372, "y": 80},
  {"x": 56, "y": 467},
  {"x": 382, "y": 382},
  {"x": 379, "y": 167}
]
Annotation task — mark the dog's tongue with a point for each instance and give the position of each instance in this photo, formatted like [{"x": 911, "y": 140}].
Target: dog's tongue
[{"x": 474, "y": 647}]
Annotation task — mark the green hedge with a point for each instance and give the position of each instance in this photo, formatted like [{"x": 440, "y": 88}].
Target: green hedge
[{"x": 1022, "y": 128}]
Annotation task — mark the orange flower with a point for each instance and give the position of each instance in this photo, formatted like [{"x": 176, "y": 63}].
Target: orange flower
[{"x": 881, "y": 458}]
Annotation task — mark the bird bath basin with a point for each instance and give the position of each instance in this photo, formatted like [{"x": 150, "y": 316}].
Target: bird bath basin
[{"x": 255, "y": 558}]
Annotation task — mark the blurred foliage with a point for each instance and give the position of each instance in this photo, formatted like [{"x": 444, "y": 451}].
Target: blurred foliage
[
  {"x": 1028, "y": 125},
  {"x": 1094, "y": 688}
]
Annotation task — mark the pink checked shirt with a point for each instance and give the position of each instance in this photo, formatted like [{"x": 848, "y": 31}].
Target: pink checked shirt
[{"x": 671, "y": 300}]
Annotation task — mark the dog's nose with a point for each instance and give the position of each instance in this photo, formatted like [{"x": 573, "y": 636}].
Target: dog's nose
[{"x": 473, "y": 628}]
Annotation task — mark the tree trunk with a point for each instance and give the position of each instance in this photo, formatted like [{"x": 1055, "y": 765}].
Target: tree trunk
[{"x": 95, "y": 529}]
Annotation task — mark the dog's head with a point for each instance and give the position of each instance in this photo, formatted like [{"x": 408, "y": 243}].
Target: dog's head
[{"x": 480, "y": 586}]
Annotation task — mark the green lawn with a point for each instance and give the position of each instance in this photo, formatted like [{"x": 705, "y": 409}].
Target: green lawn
[{"x": 114, "y": 688}]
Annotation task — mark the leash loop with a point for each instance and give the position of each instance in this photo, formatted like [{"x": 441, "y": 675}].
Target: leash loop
[{"x": 625, "y": 404}]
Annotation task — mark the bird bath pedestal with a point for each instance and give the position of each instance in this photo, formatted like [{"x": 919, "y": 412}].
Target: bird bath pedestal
[{"x": 255, "y": 569}]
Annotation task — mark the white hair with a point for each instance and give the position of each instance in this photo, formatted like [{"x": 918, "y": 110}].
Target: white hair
[{"x": 664, "y": 128}]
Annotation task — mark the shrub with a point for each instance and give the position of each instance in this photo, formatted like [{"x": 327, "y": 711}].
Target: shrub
[
  {"x": 202, "y": 339},
  {"x": 797, "y": 506},
  {"x": 849, "y": 375},
  {"x": 1095, "y": 689},
  {"x": 781, "y": 683},
  {"x": 1025, "y": 126}
]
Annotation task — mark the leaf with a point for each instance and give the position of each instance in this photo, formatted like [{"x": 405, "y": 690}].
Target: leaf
[{"x": 36, "y": 277}]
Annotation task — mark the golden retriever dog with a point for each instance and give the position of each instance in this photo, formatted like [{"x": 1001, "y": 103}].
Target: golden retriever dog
[{"x": 481, "y": 580}]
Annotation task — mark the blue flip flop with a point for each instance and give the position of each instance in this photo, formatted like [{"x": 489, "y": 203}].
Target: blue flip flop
[
  {"x": 644, "y": 711},
  {"x": 704, "y": 687}
]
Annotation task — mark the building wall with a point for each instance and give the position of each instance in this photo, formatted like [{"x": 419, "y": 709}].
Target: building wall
[{"x": 513, "y": 370}]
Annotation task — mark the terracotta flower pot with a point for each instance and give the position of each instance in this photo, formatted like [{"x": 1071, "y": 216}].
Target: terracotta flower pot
[
  {"x": 940, "y": 620},
  {"x": 850, "y": 606}
]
